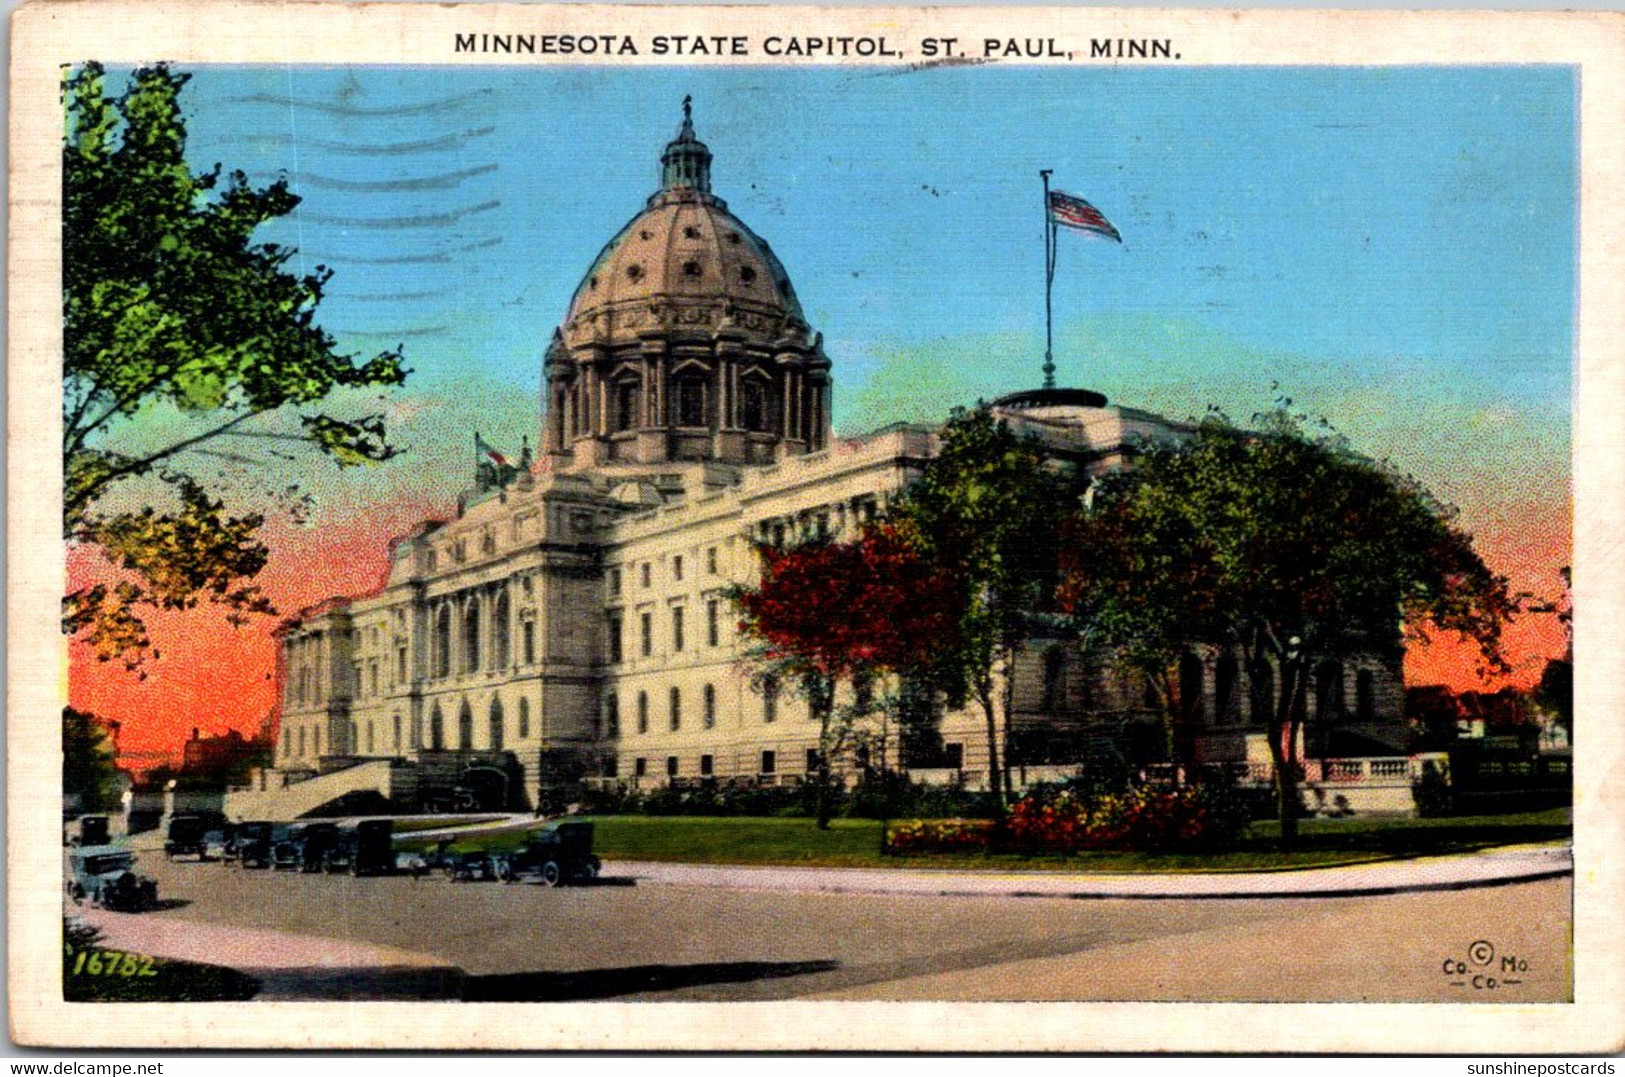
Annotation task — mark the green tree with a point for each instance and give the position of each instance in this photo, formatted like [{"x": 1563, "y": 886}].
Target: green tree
[
  {"x": 181, "y": 335},
  {"x": 1292, "y": 549},
  {"x": 988, "y": 511},
  {"x": 88, "y": 766}
]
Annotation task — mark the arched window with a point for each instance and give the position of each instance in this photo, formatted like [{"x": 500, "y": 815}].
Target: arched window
[
  {"x": 465, "y": 727},
  {"x": 471, "y": 636},
  {"x": 369, "y": 738},
  {"x": 316, "y": 738},
  {"x": 612, "y": 715},
  {"x": 708, "y": 713},
  {"x": 643, "y": 712},
  {"x": 301, "y": 742},
  {"x": 397, "y": 733},
  {"x": 524, "y": 717},
  {"x": 1054, "y": 680},
  {"x": 499, "y": 633},
  {"x": 442, "y": 642},
  {"x": 626, "y": 404},
  {"x": 1190, "y": 685},
  {"x": 757, "y": 406},
  {"x": 1329, "y": 698},
  {"x": 437, "y": 730},
  {"x": 676, "y": 707},
  {"x": 496, "y": 725},
  {"x": 1224, "y": 689},
  {"x": 1365, "y": 695},
  {"x": 1262, "y": 690},
  {"x": 691, "y": 409}
]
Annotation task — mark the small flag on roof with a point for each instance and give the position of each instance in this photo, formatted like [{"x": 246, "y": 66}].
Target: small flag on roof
[
  {"x": 485, "y": 449},
  {"x": 1070, "y": 211}
]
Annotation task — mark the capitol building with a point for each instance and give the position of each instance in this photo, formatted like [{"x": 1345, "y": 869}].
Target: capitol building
[{"x": 571, "y": 623}]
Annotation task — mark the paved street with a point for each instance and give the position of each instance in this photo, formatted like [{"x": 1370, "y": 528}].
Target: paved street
[{"x": 655, "y": 941}]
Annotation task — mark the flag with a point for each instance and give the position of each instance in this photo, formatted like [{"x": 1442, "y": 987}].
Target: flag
[
  {"x": 484, "y": 450},
  {"x": 1070, "y": 211}
]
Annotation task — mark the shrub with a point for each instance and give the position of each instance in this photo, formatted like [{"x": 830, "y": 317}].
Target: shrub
[
  {"x": 1431, "y": 792},
  {"x": 941, "y": 836}
]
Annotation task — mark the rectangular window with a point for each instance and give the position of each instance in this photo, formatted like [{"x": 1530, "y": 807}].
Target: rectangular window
[
  {"x": 644, "y": 571},
  {"x": 713, "y": 622},
  {"x": 814, "y": 757},
  {"x": 643, "y": 712},
  {"x": 677, "y": 628},
  {"x": 610, "y": 766},
  {"x": 612, "y": 715},
  {"x": 707, "y": 766},
  {"x": 953, "y": 756},
  {"x": 400, "y": 665},
  {"x": 372, "y": 677},
  {"x": 677, "y": 567},
  {"x": 613, "y": 622},
  {"x": 676, "y": 707},
  {"x": 671, "y": 766},
  {"x": 640, "y": 767},
  {"x": 711, "y": 560},
  {"x": 530, "y": 643},
  {"x": 647, "y": 627},
  {"x": 614, "y": 581},
  {"x": 709, "y": 711},
  {"x": 770, "y": 762}
]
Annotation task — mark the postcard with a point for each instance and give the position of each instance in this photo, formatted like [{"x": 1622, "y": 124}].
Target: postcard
[{"x": 965, "y": 528}]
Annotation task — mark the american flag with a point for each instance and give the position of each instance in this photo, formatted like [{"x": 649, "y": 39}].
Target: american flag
[{"x": 1070, "y": 211}]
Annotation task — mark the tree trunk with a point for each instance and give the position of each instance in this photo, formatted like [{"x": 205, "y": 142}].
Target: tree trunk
[
  {"x": 1281, "y": 756},
  {"x": 995, "y": 775},
  {"x": 1007, "y": 692}
]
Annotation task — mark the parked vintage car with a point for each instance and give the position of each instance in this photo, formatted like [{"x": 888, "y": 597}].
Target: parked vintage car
[
  {"x": 367, "y": 848},
  {"x": 187, "y": 836},
  {"x": 474, "y": 867},
  {"x": 89, "y": 830},
  {"x": 553, "y": 854},
  {"x": 105, "y": 875},
  {"x": 220, "y": 843},
  {"x": 315, "y": 843},
  {"x": 252, "y": 844},
  {"x": 286, "y": 845}
]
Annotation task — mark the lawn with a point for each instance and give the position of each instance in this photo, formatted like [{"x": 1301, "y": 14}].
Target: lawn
[
  {"x": 441, "y": 822},
  {"x": 856, "y": 842}
]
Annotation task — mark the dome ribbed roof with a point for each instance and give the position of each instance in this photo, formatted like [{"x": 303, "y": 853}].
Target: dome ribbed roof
[{"x": 685, "y": 249}]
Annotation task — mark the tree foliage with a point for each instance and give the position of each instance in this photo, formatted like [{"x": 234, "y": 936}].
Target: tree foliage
[
  {"x": 1288, "y": 547},
  {"x": 169, "y": 307},
  {"x": 88, "y": 766},
  {"x": 988, "y": 510},
  {"x": 857, "y": 611}
]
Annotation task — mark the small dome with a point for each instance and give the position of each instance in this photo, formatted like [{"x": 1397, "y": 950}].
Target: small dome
[{"x": 685, "y": 252}]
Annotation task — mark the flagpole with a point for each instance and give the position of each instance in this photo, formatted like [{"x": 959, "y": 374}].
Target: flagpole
[{"x": 1049, "y": 279}]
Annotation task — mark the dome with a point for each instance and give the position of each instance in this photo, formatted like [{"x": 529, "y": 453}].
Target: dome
[{"x": 685, "y": 261}]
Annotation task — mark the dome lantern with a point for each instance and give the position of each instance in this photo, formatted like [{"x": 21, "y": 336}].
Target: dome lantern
[{"x": 686, "y": 163}]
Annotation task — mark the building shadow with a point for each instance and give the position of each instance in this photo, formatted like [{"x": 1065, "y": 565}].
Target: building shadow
[{"x": 635, "y": 979}]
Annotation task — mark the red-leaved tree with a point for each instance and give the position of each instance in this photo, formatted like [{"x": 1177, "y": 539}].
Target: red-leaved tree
[{"x": 856, "y": 611}]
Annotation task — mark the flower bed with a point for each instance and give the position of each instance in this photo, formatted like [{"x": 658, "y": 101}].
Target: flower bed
[{"x": 1141, "y": 819}]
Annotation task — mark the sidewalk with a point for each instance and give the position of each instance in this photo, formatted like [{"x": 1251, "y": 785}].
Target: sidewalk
[
  {"x": 287, "y": 966},
  {"x": 1517, "y": 863}
]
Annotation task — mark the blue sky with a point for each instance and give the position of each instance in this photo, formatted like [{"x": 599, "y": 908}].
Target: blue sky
[{"x": 1394, "y": 246}]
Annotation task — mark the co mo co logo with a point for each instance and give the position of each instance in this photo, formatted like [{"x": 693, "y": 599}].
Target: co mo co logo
[{"x": 1481, "y": 970}]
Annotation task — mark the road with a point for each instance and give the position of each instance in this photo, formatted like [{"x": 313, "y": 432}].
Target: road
[{"x": 527, "y": 943}]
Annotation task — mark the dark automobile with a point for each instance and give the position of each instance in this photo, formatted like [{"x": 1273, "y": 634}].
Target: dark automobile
[
  {"x": 553, "y": 854},
  {"x": 473, "y": 867},
  {"x": 187, "y": 836},
  {"x": 92, "y": 830},
  {"x": 253, "y": 844},
  {"x": 220, "y": 843},
  {"x": 286, "y": 846},
  {"x": 315, "y": 842},
  {"x": 106, "y": 875},
  {"x": 368, "y": 848}
]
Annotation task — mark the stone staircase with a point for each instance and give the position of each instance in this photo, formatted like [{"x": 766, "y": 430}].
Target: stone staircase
[{"x": 390, "y": 778}]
